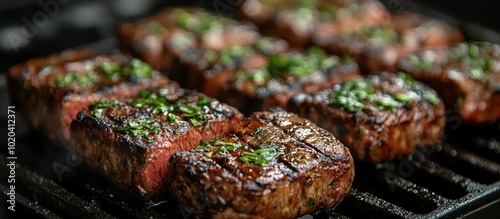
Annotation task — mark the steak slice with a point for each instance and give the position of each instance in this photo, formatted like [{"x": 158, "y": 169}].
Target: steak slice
[
  {"x": 207, "y": 69},
  {"x": 378, "y": 47},
  {"x": 271, "y": 165},
  {"x": 284, "y": 75},
  {"x": 466, "y": 76},
  {"x": 379, "y": 117},
  {"x": 163, "y": 37},
  {"x": 210, "y": 70},
  {"x": 130, "y": 141},
  {"x": 297, "y": 21},
  {"x": 51, "y": 90}
]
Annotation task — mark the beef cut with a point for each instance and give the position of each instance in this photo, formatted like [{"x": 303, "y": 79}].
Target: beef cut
[
  {"x": 284, "y": 75},
  {"x": 466, "y": 76},
  {"x": 379, "y": 117},
  {"x": 51, "y": 90},
  {"x": 163, "y": 37},
  {"x": 270, "y": 165},
  {"x": 130, "y": 141}
]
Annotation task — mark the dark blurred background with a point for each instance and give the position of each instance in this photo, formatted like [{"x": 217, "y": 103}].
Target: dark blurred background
[{"x": 31, "y": 28}]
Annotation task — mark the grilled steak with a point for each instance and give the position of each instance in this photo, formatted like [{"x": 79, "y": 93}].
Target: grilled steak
[
  {"x": 378, "y": 47},
  {"x": 50, "y": 91},
  {"x": 131, "y": 141},
  {"x": 466, "y": 76},
  {"x": 162, "y": 38},
  {"x": 271, "y": 165},
  {"x": 284, "y": 75},
  {"x": 297, "y": 20},
  {"x": 207, "y": 70},
  {"x": 210, "y": 70},
  {"x": 379, "y": 117}
]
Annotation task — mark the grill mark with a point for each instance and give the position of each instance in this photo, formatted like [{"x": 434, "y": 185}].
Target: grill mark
[
  {"x": 287, "y": 164},
  {"x": 330, "y": 158}
]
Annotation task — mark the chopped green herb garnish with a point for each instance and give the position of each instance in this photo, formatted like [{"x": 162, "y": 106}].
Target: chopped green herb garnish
[
  {"x": 387, "y": 102},
  {"x": 195, "y": 122},
  {"x": 194, "y": 114},
  {"x": 473, "y": 50},
  {"x": 224, "y": 143},
  {"x": 460, "y": 99},
  {"x": 349, "y": 103},
  {"x": 232, "y": 53},
  {"x": 473, "y": 58},
  {"x": 258, "y": 131},
  {"x": 419, "y": 64},
  {"x": 203, "y": 101},
  {"x": 384, "y": 35},
  {"x": 261, "y": 156},
  {"x": 303, "y": 14},
  {"x": 289, "y": 65},
  {"x": 476, "y": 73},
  {"x": 173, "y": 118},
  {"x": 264, "y": 43},
  {"x": 300, "y": 64},
  {"x": 311, "y": 202},
  {"x": 328, "y": 12},
  {"x": 210, "y": 56},
  {"x": 200, "y": 22},
  {"x": 163, "y": 91},
  {"x": 158, "y": 104},
  {"x": 137, "y": 69},
  {"x": 141, "y": 127},
  {"x": 223, "y": 146},
  {"x": 431, "y": 98},
  {"x": 83, "y": 79},
  {"x": 487, "y": 64},
  {"x": 181, "y": 41},
  {"x": 305, "y": 4},
  {"x": 186, "y": 19},
  {"x": 112, "y": 70},
  {"x": 350, "y": 95},
  {"x": 99, "y": 106},
  {"x": 257, "y": 76},
  {"x": 360, "y": 132},
  {"x": 155, "y": 28},
  {"x": 407, "y": 79},
  {"x": 203, "y": 145},
  {"x": 404, "y": 98}
]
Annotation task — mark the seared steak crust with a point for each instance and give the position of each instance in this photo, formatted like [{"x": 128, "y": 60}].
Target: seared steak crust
[
  {"x": 466, "y": 76},
  {"x": 208, "y": 70},
  {"x": 296, "y": 21},
  {"x": 271, "y": 165},
  {"x": 379, "y": 117},
  {"x": 283, "y": 76},
  {"x": 378, "y": 48},
  {"x": 130, "y": 141},
  {"x": 51, "y": 90},
  {"x": 163, "y": 37}
]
